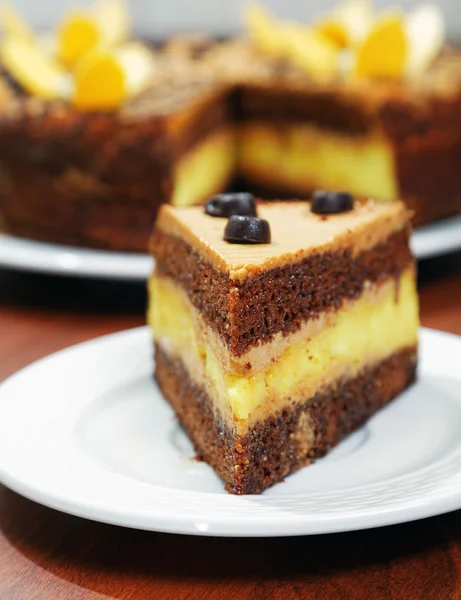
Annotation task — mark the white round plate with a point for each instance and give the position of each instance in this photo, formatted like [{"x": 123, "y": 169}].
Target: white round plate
[
  {"x": 86, "y": 431},
  {"x": 29, "y": 255}
]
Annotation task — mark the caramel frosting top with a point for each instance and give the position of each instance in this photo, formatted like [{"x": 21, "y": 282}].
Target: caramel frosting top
[{"x": 296, "y": 233}]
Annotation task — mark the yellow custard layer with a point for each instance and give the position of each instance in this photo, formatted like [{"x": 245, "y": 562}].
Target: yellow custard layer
[
  {"x": 302, "y": 157},
  {"x": 298, "y": 157},
  {"x": 383, "y": 320},
  {"x": 205, "y": 170}
]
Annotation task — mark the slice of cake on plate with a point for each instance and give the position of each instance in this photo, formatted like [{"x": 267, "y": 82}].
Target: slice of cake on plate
[{"x": 280, "y": 328}]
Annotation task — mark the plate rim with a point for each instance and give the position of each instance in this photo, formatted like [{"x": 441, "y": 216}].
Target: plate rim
[
  {"x": 286, "y": 524},
  {"x": 24, "y": 254}
]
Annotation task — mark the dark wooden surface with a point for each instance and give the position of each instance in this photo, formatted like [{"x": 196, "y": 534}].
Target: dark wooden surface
[{"x": 48, "y": 555}]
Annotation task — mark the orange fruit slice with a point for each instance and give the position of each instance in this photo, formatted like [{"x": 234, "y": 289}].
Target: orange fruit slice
[
  {"x": 105, "y": 79},
  {"x": 37, "y": 72},
  {"x": 99, "y": 82},
  {"x": 384, "y": 51},
  {"x": 105, "y": 24},
  {"x": 77, "y": 34}
]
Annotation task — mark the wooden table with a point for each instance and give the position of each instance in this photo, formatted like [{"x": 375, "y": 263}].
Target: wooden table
[{"x": 46, "y": 555}]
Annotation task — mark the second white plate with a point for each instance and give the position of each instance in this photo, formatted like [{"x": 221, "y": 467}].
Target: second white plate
[
  {"x": 86, "y": 431},
  {"x": 29, "y": 255}
]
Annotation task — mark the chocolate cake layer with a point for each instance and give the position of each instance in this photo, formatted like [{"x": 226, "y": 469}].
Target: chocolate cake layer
[
  {"x": 246, "y": 313},
  {"x": 351, "y": 110},
  {"x": 95, "y": 179},
  {"x": 290, "y": 439},
  {"x": 323, "y": 108},
  {"x": 84, "y": 179}
]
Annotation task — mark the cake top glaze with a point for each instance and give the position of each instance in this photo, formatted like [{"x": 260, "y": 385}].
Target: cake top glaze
[{"x": 296, "y": 233}]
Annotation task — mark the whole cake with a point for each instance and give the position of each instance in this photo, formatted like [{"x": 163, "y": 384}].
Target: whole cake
[
  {"x": 97, "y": 131},
  {"x": 280, "y": 327}
]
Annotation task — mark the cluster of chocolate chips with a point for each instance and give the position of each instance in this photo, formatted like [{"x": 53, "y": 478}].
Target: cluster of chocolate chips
[
  {"x": 243, "y": 226},
  {"x": 331, "y": 203}
]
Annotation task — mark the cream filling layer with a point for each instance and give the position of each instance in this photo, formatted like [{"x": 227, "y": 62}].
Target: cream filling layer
[
  {"x": 365, "y": 331},
  {"x": 302, "y": 157},
  {"x": 206, "y": 169}
]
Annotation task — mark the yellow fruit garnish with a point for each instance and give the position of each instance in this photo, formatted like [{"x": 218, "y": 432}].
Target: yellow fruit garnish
[
  {"x": 348, "y": 23},
  {"x": 13, "y": 24},
  {"x": 99, "y": 81},
  {"x": 303, "y": 46},
  {"x": 426, "y": 34},
  {"x": 264, "y": 31},
  {"x": 105, "y": 24},
  {"x": 384, "y": 51},
  {"x": 105, "y": 79},
  {"x": 78, "y": 34},
  {"x": 310, "y": 51},
  {"x": 37, "y": 72}
]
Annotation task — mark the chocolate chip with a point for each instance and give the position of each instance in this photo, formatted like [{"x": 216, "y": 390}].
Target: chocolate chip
[
  {"x": 247, "y": 230},
  {"x": 329, "y": 203},
  {"x": 226, "y": 205}
]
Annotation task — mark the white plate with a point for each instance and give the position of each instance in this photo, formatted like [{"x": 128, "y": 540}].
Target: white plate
[
  {"x": 28, "y": 255},
  {"x": 87, "y": 432}
]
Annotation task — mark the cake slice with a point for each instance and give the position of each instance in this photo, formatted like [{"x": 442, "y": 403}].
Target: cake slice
[{"x": 278, "y": 335}]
